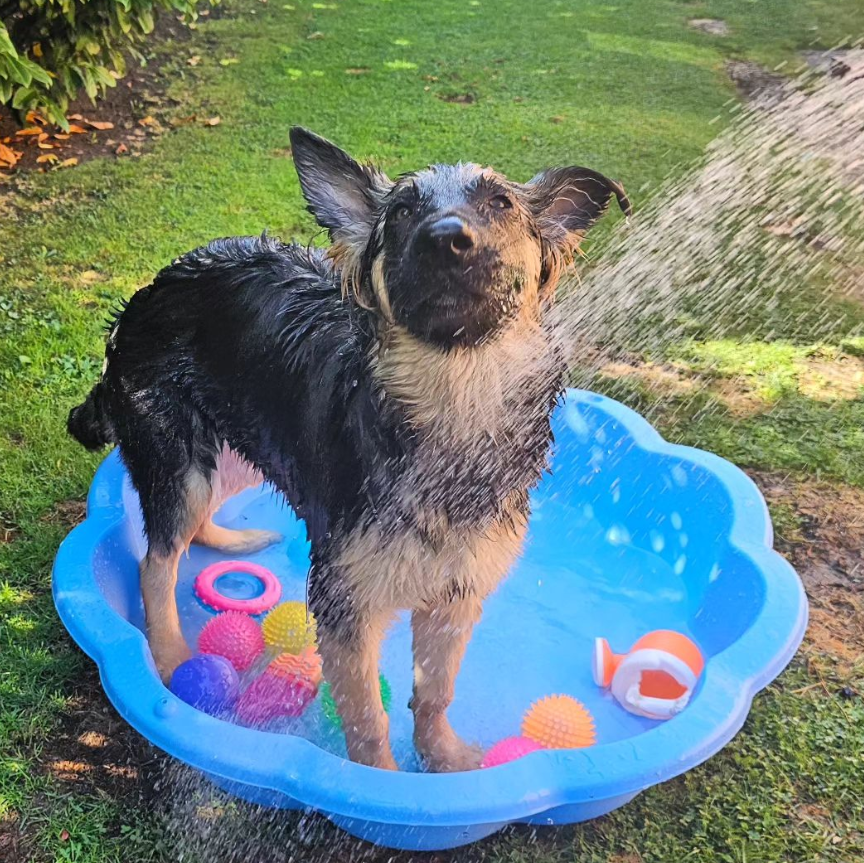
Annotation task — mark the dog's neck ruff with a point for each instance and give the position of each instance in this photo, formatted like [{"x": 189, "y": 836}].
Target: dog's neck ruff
[{"x": 459, "y": 392}]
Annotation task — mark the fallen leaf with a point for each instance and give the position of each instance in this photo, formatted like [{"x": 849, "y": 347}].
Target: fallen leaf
[
  {"x": 121, "y": 150},
  {"x": 68, "y": 163},
  {"x": 316, "y": 35},
  {"x": 44, "y": 145},
  {"x": 147, "y": 121},
  {"x": 212, "y": 121},
  {"x": 74, "y": 117},
  {"x": 8, "y": 156},
  {"x": 557, "y": 119},
  {"x": 194, "y": 60},
  {"x": 37, "y": 49},
  {"x": 76, "y": 130},
  {"x": 30, "y": 130},
  {"x": 61, "y": 137},
  {"x": 101, "y": 125},
  {"x": 35, "y": 117},
  {"x": 64, "y": 835},
  {"x": 46, "y": 157},
  {"x": 183, "y": 121},
  {"x": 357, "y": 70},
  {"x": 229, "y": 61}
]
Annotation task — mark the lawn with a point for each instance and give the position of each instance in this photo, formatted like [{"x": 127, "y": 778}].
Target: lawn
[{"x": 627, "y": 88}]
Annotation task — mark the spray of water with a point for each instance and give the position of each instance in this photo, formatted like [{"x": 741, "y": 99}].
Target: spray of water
[
  {"x": 740, "y": 244},
  {"x": 763, "y": 239}
]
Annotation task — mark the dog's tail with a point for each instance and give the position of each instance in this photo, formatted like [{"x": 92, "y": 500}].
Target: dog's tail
[{"x": 89, "y": 423}]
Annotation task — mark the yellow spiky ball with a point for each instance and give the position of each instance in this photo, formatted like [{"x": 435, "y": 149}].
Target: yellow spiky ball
[
  {"x": 559, "y": 722},
  {"x": 288, "y": 627}
]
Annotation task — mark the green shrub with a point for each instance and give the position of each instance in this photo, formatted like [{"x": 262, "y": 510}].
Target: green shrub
[{"x": 50, "y": 50}]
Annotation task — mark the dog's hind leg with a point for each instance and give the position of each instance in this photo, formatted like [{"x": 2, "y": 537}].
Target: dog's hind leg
[
  {"x": 440, "y": 638},
  {"x": 232, "y": 474},
  {"x": 175, "y": 496}
]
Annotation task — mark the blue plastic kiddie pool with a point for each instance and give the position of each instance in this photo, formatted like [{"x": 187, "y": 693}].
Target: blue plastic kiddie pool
[{"x": 628, "y": 534}]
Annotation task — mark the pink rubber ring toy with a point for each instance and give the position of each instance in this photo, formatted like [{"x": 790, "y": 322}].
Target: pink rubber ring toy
[{"x": 205, "y": 587}]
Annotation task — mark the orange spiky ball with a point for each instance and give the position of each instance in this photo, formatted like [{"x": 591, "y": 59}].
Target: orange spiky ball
[
  {"x": 305, "y": 665},
  {"x": 559, "y": 722}
]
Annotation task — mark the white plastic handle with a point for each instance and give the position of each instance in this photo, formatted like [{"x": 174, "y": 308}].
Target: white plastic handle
[{"x": 628, "y": 679}]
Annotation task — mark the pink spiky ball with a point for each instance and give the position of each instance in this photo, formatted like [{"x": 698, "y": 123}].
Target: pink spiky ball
[
  {"x": 509, "y": 749},
  {"x": 271, "y": 696},
  {"x": 234, "y": 635}
]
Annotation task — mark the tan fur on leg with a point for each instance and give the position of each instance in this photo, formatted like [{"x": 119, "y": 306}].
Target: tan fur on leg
[
  {"x": 440, "y": 638},
  {"x": 352, "y": 670},
  {"x": 234, "y": 541},
  {"x": 158, "y": 582}
]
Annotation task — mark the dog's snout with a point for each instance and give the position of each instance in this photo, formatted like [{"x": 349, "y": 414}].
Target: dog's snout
[{"x": 449, "y": 233}]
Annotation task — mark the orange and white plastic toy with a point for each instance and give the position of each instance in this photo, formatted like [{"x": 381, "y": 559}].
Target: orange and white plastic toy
[{"x": 656, "y": 678}]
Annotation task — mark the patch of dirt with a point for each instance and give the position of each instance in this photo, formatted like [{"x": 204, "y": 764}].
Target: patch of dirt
[
  {"x": 827, "y": 551},
  {"x": 135, "y": 112},
  {"x": 9, "y": 531},
  {"x": 833, "y": 63},
  {"x": 95, "y": 751},
  {"x": 712, "y": 26},
  {"x": 829, "y": 380},
  {"x": 663, "y": 379},
  {"x": 11, "y": 845},
  {"x": 752, "y": 80},
  {"x": 457, "y": 98},
  {"x": 67, "y": 513}
]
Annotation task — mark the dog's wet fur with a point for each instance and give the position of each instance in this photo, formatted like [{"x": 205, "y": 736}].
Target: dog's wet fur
[{"x": 396, "y": 388}]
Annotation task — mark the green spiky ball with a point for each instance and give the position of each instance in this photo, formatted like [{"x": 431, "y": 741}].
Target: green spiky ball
[{"x": 328, "y": 704}]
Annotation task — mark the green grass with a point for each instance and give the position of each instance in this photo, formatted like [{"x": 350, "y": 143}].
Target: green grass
[{"x": 624, "y": 87}]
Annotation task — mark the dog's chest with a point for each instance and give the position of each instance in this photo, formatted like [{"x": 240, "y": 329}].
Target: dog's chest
[{"x": 480, "y": 419}]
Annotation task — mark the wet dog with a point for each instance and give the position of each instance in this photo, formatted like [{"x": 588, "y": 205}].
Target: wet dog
[{"x": 396, "y": 388}]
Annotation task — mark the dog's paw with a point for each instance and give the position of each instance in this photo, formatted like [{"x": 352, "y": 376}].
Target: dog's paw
[
  {"x": 448, "y": 753},
  {"x": 168, "y": 656}
]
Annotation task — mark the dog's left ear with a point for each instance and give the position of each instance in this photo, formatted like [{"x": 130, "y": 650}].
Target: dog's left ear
[
  {"x": 343, "y": 195},
  {"x": 567, "y": 201}
]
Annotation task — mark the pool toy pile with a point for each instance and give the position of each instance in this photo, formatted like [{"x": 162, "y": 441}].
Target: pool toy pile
[{"x": 256, "y": 672}]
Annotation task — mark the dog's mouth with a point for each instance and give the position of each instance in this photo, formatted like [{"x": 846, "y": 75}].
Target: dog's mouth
[{"x": 464, "y": 317}]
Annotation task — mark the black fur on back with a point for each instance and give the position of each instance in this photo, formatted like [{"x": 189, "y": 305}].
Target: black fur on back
[{"x": 249, "y": 341}]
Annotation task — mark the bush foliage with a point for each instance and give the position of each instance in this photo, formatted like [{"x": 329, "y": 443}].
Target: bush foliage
[{"x": 52, "y": 49}]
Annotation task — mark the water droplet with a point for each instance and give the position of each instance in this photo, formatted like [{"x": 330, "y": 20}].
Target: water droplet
[
  {"x": 618, "y": 535},
  {"x": 658, "y": 542},
  {"x": 675, "y": 520},
  {"x": 680, "y": 564},
  {"x": 679, "y": 475}
]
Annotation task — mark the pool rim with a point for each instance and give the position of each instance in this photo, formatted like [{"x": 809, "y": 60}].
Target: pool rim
[{"x": 323, "y": 781}]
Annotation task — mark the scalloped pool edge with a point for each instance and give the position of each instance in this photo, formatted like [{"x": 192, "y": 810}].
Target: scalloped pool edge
[{"x": 438, "y": 811}]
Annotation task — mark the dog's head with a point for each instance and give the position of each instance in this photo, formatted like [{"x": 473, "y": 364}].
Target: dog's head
[{"x": 452, "y": 252}]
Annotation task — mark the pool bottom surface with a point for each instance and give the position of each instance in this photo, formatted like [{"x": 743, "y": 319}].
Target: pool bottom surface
[{"x": 535, "y": 639}]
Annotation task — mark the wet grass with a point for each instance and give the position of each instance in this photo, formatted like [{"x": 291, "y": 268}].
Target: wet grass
[{"x": 625, "y": 88}]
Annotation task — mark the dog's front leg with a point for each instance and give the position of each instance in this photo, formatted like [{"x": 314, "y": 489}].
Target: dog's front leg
[
  {"x": 350, "y": 654},
  {"x": 440, "y": 638}
]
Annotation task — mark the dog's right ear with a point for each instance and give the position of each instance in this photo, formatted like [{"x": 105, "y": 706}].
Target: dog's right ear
[{"x": 343, "y": 195}]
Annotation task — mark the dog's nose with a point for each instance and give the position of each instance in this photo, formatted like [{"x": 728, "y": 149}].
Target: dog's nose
[{"x": 450, "y": 233}]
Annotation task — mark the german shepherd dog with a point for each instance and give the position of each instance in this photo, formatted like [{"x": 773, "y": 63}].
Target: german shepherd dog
[{"x": 396, "y": 388}]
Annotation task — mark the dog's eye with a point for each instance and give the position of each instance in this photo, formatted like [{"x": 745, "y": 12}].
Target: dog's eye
[
  {"x": 401, "y": 212},
  {"x": 500, "y": 202}
]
